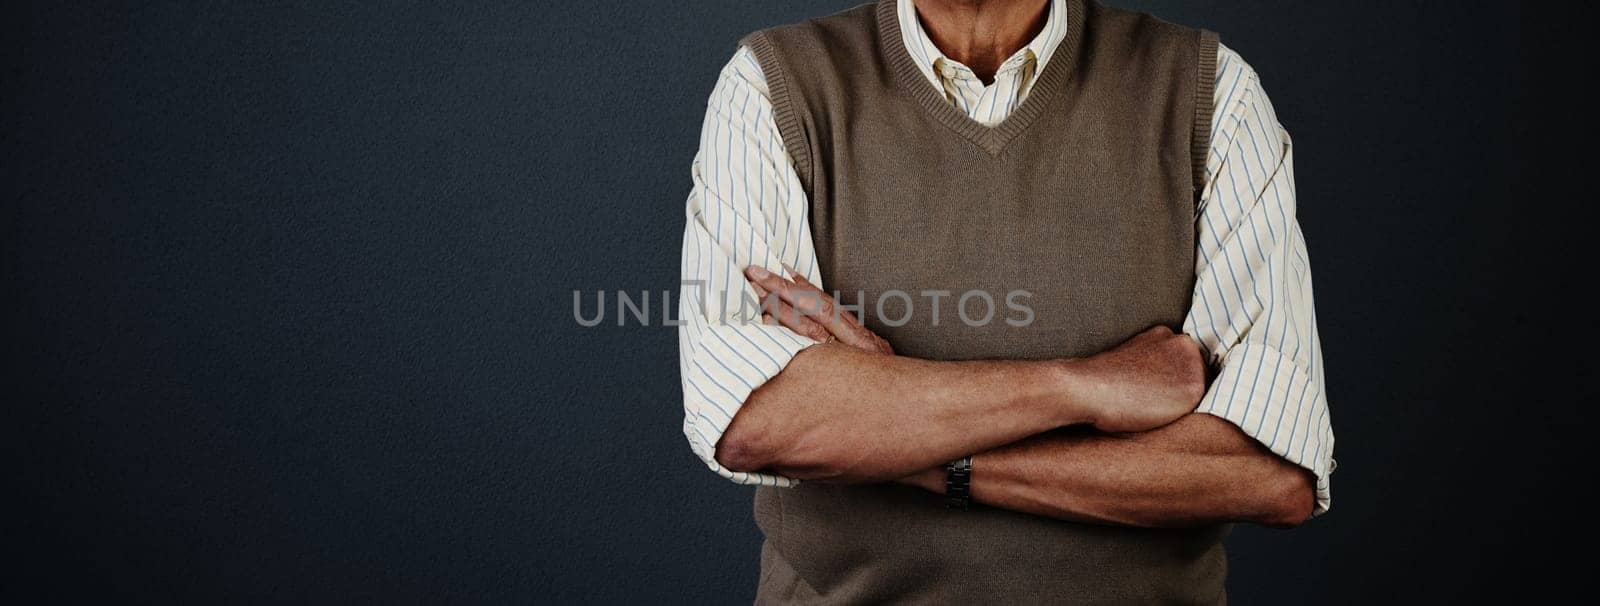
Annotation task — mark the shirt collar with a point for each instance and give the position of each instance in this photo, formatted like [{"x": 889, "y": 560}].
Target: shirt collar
[{"x": 922, "y": 49}]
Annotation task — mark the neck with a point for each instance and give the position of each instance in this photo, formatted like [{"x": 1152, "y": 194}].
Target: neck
[{"x": 982, "y": 34}]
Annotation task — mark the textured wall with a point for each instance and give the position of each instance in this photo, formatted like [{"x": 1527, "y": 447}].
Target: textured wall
[{"x": 287, "y": 298}]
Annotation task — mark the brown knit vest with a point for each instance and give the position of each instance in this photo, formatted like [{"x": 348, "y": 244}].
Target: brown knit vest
[{"x": 1084, "y": 197}]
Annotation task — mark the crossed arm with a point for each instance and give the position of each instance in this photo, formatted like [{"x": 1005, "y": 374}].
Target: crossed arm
[
  {"x": 1053, "y": 438},
  {"x": 768, "y": 404}
]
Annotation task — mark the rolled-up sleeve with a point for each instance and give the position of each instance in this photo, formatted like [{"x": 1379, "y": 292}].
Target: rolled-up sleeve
[
  {"x": 746, "y": 208},
  {"x": 1252, "y": 308}
]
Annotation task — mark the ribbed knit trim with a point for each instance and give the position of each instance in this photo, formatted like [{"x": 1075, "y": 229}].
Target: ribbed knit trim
[
  {"x": 991, "y": 139},
  {"x": 783, "y": 112},
  {"x": 1204, "y": 89}
]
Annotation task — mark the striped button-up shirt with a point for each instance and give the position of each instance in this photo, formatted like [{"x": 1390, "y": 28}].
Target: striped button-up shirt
[{"x": 1252, "y": 308}]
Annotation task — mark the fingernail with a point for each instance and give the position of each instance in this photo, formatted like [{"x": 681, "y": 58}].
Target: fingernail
[{"x": 758, "y": 272}]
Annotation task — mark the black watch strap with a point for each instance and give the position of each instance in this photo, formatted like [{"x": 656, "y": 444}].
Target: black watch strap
[{"x": 958, "y": 483}]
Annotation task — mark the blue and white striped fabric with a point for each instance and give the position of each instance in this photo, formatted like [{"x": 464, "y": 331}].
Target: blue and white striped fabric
[
  {"x": 987, "y": 104},
  {"x": 1252, "y": 308}
]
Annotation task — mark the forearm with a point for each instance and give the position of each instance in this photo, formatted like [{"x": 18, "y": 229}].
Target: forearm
[
  {"x": 1197, "y": 470},
  {"x": 837, "y": 413}
]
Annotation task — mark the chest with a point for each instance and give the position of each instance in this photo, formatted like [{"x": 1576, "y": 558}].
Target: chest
[{"x": 1052, "y": 248}]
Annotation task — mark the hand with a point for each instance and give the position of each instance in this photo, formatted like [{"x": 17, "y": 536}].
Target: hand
[
  {"x": 1149, "y": 381},
  {"x": 805, "y": 309}
]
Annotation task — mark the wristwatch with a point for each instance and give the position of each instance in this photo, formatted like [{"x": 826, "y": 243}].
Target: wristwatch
[{"x": 958, "y": 483}]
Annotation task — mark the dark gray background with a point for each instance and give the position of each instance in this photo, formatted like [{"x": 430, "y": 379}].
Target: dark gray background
[{"x": 287, "y": 299}]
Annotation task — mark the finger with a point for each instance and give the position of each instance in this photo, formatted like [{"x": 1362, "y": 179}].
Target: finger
[
  {"x": 761, "y": 297},
  {"x": 845, "y": 315},
  {"x": 788, "y": 317},
  {"x": 816, "y": 305},
  {"x": 1197, "y": 342},
  {"x": 839, "y": 321},
  {"x": 798, "y": 277},
  {"x": 806, "y": 292},
  {"x": 807, "y": 303},
  {"x": 1154, "y": 333}
]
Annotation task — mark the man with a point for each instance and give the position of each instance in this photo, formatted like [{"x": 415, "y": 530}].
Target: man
[{"x": 1121, "y": 178}]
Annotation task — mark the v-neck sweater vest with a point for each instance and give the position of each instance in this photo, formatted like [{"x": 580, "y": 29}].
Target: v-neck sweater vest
[{"x": 1083, "y": 198}]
